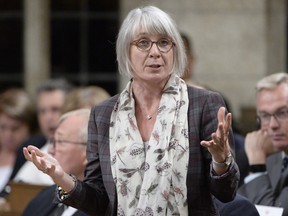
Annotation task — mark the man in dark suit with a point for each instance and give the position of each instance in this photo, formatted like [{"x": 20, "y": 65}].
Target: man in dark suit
[
  {"x": 267, "y": 148},
  {"x": 69, "y": 149}
]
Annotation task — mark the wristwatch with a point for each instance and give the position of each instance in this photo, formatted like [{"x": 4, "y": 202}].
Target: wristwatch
[{"x": 226, "y": 163}]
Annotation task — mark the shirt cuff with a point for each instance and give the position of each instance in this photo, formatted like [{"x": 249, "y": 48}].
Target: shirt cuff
[{"x": 253, "y": 176}]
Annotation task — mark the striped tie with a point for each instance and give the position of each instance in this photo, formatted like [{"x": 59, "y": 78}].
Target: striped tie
[{"x": 284, "y": 163}]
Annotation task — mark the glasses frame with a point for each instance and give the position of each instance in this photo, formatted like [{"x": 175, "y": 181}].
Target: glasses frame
[
  {"x": 54, "y": 141},
  {"x": 266, "y": 120},
  {"x": 135, "y": 43}
]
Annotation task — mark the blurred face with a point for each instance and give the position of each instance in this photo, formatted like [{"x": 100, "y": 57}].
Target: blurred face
[
  {"x": 49, "y": 108},
  {"x": 272, "y": 108},
  {"x": 69, "y": 151},
  {"x": 151, "y": 65},
  {"x": 12, "y": 132}
]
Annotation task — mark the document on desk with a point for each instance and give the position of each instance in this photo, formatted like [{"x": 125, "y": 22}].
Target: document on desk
[{"x": 269, "y": 210}]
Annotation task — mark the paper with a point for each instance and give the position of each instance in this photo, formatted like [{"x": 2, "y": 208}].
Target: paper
[{"x": 269, "y": 210}]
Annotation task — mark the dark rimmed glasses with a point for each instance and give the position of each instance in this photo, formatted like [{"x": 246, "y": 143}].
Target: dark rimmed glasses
[
  {"x": 53, "y": 142},
  {"x": 280, "y": 116},
  {"x": 144, "y": 44}
]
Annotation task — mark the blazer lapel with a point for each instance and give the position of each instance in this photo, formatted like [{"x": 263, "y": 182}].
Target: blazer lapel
[{"x": 274, "y": 163}]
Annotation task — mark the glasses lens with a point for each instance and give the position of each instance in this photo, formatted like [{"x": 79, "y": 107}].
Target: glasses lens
[
  {"x": 164, "y": 45},
  {"x": 144, "y": 44},
  {"x": 280, "y": 116}
]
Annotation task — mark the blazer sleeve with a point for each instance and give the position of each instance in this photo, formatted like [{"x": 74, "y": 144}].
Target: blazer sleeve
[{"x": 223, "y": 187}]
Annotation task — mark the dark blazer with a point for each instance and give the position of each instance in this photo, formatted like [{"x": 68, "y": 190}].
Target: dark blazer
[
  {"x": 42, "y": 204},
  {"x": 240, "y": 156},
  {"x": 270, "y": 189},
  {"x": 97, "y": 192},
  {"x": 239, "y": 206},
  {"x": 38, "y": 141}
]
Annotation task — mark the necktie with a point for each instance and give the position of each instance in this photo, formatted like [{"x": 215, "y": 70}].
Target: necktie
[
  {"x": 58, "y": 210},
  {"x": 284, "y": 163}
]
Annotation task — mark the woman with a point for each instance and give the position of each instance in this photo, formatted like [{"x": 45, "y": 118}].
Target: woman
[
  {"x": 84, "y": 97},
  {"x": 144, "y": 153},
  {"x": 17, "y": 123}
]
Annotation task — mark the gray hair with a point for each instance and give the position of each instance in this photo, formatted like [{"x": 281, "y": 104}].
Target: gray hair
[
  {"x": 53, "y": 85},
  {"x": 272, "y": 81},
  {"x": 83, "y": 132},
  {"x": 154, "y": 21}
]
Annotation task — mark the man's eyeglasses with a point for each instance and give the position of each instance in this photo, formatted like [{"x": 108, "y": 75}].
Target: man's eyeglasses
[
  {"x": 280, "y": 116},
  {"x": 53, "y": 142},
  {"x": 144, "y": 44}
]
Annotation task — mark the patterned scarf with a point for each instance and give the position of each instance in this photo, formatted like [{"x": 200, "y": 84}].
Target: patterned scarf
[{"x": 150, "y": 176}]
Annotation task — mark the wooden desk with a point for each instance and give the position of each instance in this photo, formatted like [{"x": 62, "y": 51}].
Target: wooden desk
[{"x": 21, "y": 194}]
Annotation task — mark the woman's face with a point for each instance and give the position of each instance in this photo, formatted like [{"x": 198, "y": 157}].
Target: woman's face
[
  {"x": 13, "y": 132},
  {"x": 152, "y": 65}
]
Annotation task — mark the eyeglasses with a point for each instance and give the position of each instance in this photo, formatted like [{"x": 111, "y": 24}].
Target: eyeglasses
[
  {"x": 144, "y": 44},
  {"x": 61, "y": 142},
  {"x": 280, "y": 116}
]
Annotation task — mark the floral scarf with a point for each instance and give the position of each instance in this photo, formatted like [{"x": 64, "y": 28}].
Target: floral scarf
[{"x": 150, "y": 176}]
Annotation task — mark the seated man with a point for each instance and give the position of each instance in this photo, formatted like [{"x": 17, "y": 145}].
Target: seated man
[
  {"x": 267, "y": 148},
  {"x": 69, "y": 149}
]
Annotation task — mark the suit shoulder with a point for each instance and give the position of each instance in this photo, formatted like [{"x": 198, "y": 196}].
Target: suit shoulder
[{"x": 194, "y": 91}]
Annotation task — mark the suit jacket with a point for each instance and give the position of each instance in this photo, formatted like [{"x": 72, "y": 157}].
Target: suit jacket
[
  {"x": 270, "y": 189},
  {"x": 239, "y": 206},
  {"x": 42, "y": 204},
  {"x": 98, "y": 189},
  {"x": 240, "y": 156}
]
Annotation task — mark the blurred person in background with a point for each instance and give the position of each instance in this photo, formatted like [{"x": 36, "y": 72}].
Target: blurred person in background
[
  {"x": 191, "y": 61},
  {"x": 50, "y": 97},
  {"x": 267, "y": 148},
  {"x": 17, "y": 123},
  {"x": 73, "y": 126},
  {"x": 84, "y": 97},
  {"x": 69, "y": 150}
]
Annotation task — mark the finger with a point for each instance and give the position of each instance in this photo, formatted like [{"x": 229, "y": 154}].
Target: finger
[
  {"x": 221, "y": 115},
  {"x": 35, "y": 160},
  {"x": 27, "y": 154},
  {"x": 44, "y": 164},
  {"x": 222, "y": 132},
  {"x": 52, "y": 168},
  {"x": 206, "y": 144},
  {"x": 221, "y": 122},
  {"x": 228, "y": 122},
  {"x": 215, "y": 137},
  {"x": 36, "y": 150}
]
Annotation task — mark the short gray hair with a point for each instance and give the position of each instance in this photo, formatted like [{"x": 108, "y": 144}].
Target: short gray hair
[
  {"x": 154, "y": 21},
  {"x": 83, "y": 132},
  {"x": 272, "y": 81}
]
